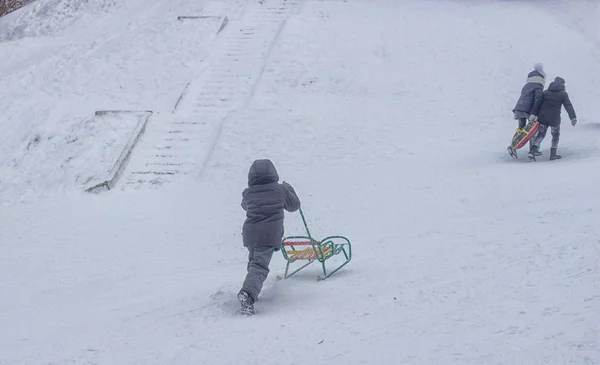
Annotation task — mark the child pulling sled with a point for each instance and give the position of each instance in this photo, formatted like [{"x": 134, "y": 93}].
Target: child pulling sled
[
  {"x": 531, "y": 93},
  {"x": 264, "y": 201}
]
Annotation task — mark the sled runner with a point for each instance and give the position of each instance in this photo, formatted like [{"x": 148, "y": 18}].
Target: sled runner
[
  {"x": 305, "y": 248},
  {"x": 522, "y": 136}
]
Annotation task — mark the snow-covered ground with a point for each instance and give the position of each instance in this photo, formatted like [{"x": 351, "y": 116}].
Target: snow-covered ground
[
  {"x": 582, "y": 15},
  {"x": 139, "y": 57},
  {"x": 390, "y": 118}
]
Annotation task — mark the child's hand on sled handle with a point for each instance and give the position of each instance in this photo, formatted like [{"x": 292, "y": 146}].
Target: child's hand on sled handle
[
  {"x": 533, "y": 118},
  {"x": 574, "y": 121}
]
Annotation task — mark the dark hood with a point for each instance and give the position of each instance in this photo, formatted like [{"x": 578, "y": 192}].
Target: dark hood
[
  {"x": 556, "y": 86},
  {"x": 262, "y": 172}
]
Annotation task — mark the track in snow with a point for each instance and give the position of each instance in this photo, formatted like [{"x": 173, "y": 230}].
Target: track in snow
[{"x": 182, "y": 143}]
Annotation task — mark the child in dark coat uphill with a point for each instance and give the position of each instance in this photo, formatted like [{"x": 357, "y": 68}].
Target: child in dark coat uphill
[
  {"x": 530, "y": 94},
  {"x": 547, "y": 112},
  {"x": 264, "y": 201}
]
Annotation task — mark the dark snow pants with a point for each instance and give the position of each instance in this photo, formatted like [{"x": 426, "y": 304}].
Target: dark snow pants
[
  {"x": 541, "y": 134},
  {"x": 259, "y": 259}
]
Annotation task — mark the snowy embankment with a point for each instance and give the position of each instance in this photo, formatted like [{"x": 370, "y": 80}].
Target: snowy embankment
[
  {"x": 582, "y": 16},
  {"x": 394, "y": 134},
  {"x": 60, "y": 67},
  {"x": 8, "y": 6}
]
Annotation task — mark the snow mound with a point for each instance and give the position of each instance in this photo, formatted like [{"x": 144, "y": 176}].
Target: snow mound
[{"x": 47, "y": 17}]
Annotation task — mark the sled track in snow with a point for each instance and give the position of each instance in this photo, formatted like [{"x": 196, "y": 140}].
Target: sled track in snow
[{"x": 182, "y": 143}]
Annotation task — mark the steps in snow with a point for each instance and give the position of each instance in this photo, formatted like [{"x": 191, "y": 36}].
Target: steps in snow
[{"x": 168, "y": 149}]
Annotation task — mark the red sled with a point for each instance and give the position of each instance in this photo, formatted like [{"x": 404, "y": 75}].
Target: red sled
[
  {"x": 524, "y": 135},
  {"x": 521, "y": 137}
]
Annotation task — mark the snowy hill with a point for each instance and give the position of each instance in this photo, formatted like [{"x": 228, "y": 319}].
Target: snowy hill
[{"x": 391, "y": 120}]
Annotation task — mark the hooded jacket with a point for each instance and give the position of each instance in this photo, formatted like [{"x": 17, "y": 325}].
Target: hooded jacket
[
  {"x": 531, "y": 92},
  {"x": 548, "y": 109},
  {"x": 264, "y": 201}
]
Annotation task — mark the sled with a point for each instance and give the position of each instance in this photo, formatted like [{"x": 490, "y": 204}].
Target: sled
[
  {"x": 522, "y": 136},
  {"x": 304, "y": 250}
]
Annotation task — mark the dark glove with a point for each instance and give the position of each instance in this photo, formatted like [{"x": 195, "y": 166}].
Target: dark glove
[{"x": 574, "y": 121}]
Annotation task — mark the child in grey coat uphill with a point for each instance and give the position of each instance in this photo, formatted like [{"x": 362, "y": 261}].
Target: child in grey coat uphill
[
  {"x": 547, "y": 112},
  {"x": 264, "y": 202}
]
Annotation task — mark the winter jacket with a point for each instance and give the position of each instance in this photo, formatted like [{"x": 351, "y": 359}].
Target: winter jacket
[
  {"x": 549, "y": 107},
  {"x": 530, "y": 93},
  {"x": 264, "y": 202}
]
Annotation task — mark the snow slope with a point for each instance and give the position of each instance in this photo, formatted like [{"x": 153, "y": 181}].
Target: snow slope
[
  {"x": 139, "y": 58},
  {"x": 390, "y": 118},
  {"x": 581, "y": 16}
]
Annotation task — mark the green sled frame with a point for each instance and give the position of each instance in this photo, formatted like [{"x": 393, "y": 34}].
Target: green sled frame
[{"x": 305, "y": 248}]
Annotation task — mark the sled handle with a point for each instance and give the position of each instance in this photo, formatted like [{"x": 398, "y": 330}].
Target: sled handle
[{"x": 305, "y": 224}]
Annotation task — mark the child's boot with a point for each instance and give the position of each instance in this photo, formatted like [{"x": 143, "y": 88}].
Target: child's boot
[
  {"x": 247, "y": 302},
  {"x": 553, "y": 155},
  {"x": 532, "y": 153},
  {"x": 536, "y": 150}
]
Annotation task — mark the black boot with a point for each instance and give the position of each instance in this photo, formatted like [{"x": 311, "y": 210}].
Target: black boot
[
  {"x": 553, "y": 155},
  {"x": 536, "y": 150},
  {"x": 532, "y": 153}
]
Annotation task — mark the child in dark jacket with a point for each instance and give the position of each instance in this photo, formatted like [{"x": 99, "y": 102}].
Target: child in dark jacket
[
  {"x": 530, "y": 94},
  {"x": 264, "y": 201},
  {"x": 547, "y": 112}
]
